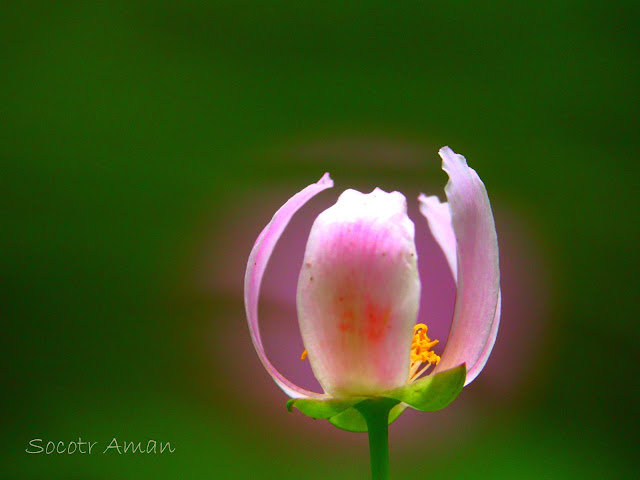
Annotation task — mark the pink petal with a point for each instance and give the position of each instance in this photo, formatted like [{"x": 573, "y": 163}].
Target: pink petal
[
  {"x": 474, "y": 371},
  {"x": 438, "y": 217},
  {"x": 358, "y": 294},
  {"x": 258, "y": 259},
  {"x": 478, "y": 275}
]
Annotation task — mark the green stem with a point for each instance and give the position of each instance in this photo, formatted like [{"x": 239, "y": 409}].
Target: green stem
[{"x": 376, "y": 414}]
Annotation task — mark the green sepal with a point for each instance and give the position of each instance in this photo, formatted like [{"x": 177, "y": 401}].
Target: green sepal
[
  {"x": 431, "y": 393},
  {"x": 323, "y": 408}
]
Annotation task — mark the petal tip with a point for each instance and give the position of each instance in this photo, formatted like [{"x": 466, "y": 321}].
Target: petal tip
[
  {"x": 430, "y": 200},
  {"x": 326, "y": 180},
  {"x": 450, "y": 158}
]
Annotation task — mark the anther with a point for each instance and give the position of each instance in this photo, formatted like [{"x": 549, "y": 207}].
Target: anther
[{"x": 421, "y": 353}]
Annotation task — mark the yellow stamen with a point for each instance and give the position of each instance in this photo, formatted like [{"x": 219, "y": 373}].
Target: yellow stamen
[
  {"x": 304, "y": 355},
  {"x": 421, "y": 352}
]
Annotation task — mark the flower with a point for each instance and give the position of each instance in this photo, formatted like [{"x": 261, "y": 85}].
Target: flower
[{"x": 359, "y": 290}]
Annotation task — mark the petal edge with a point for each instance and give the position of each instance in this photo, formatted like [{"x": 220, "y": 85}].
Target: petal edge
[{"x": 486, "y": 351}]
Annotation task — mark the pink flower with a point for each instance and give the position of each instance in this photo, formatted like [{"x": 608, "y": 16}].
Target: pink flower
[{"x": 359, "y": 290}]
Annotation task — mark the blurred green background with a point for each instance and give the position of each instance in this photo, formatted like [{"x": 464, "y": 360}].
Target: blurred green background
[{"x": 136, "y": 136}]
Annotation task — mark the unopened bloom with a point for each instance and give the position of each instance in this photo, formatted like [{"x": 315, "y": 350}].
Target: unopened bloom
[{"x": 359, "y": 289}]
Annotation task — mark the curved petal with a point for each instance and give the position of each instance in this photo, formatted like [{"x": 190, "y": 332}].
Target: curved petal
[
  {"x": 358, "y": 294},
  {"x": 258, "y": 259},
  {"x": 478, "y": 276},
  {"x": 438, "y": 217}
]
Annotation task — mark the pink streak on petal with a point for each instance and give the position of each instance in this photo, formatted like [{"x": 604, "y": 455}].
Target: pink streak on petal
[
  {"x": 438, "y": 218},
  {"x": 258, "y": 260},
  {"x": 477, "y": 260},
  {"x": 358, "y": 294}
]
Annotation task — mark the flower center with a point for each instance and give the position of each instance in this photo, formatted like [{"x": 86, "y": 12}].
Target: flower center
[{"x": 421, "y": 354}]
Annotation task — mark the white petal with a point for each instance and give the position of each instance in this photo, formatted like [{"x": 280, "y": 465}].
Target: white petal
[{"x": 358, "y": 294}]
